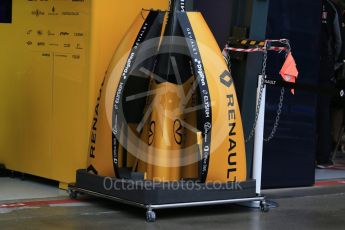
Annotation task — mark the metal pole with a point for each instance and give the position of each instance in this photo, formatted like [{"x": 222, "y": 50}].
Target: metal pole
[{"x": 259, "y": 137}]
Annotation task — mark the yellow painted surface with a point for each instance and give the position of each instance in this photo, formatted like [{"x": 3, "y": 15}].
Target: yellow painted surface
[
  {"x": 228, "y": 154},
  {"x": 170, "y": 137},
  {"x": 53, "y": 57},
  {"x": 63, "y": 186}
]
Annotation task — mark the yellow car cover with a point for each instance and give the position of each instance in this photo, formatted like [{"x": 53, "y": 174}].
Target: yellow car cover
[{"x": 168, "y": 109}]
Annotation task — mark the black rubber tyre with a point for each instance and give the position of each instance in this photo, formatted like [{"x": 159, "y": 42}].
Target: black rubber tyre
[
  {"x": 72, "y": 194},
  {"x": 150, "y": 216},
  {"x": 264, "y": 207}
]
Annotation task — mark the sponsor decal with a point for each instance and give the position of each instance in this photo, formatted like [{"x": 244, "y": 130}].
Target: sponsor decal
[
  {"x": 64, "y": 33},
  {"x": 232, "y": 154},
  {"x": 206, "y": 113},
  {"x": 178, "y": 132},
  {"x": 117, "y": 110},
  {"x": 53, "y": 12},
  {"x": 227, "y": 81},
  {"x": 92, "y": 149},
  {"x": 152, "y": 132},
  {"x": 37, "y": 13},
  {"x": 182, "y": 6},
  {"x": 94, "y": 124},
  {"x": 72, "y": 13}
]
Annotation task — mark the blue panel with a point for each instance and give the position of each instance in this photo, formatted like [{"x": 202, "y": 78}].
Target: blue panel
[{"x": 289, "y": 158}]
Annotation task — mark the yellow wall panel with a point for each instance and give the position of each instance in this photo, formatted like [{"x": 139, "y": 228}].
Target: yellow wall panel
[
  {"x": 36, "y": 120},
  {"x": 53, "y": 58}
]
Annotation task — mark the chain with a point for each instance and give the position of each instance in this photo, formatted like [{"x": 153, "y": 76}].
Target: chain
[
  {"x": 262, "y": 86},
  {"x": 281, "y": 99},
  {"x": 279, "y": 112}
]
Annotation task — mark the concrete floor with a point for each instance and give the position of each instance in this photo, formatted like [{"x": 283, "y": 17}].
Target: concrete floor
[
  {"x": 16, "y": 189},
  {"x": 329, "y": 174},
  {"x": 299, "y": 208},
  {"x": 303, "y": 208}
]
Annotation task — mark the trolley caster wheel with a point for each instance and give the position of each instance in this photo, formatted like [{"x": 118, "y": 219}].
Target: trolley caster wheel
[
  {"x": 150, "y": 216},
  {"x": 72, "y": 194},
  {"x": 264, "y": 206}
]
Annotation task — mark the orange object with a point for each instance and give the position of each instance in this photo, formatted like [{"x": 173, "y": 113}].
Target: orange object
[{"x": 289, "y": 71}]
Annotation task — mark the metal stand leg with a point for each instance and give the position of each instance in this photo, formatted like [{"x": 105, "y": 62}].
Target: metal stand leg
[
  {"x": 258, "y": 145},
  {"x": 258, "y": 149},
  {"x": 259, "y": 138}
]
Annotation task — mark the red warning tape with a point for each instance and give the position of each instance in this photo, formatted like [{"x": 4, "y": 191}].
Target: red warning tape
[
  {"x": 329, "y": 183},
  {"x": 261, "y": 49},
  {"x": 38, "y": 203},
  {"x": 253, "y": 50}
]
